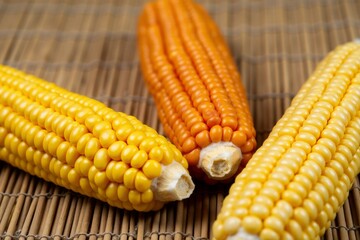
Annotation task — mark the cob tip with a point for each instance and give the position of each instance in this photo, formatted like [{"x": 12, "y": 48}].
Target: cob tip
[
  {"x": 173, "y": 184},
  {"x": 220, "y": 160}
]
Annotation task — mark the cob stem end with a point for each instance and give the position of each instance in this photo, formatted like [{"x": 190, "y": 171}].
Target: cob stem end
[
  {"x": 220, "y": 160},
  {"x": 173, "y": 184}
]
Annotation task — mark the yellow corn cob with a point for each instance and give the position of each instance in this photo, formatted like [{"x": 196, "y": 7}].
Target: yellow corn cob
[
  {"x": 296, "y": 182},
  {"x": 80, "y": 144},
  {"x": 198, "y": 92}
]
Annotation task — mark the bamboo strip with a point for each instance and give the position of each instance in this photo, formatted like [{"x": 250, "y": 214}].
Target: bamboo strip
[
  {"x": 49, "y": 217},
  {"x": 32, "y": 221},
  {"x": 117, "y": 222},
  {"x": 140, "y": 227},
  {"x": 190, "y": 221},
  {"x": 268, "y": 76},
  {"x": 61, "y": 220},
  {"x": 18, "y": 207},
  {"x": 162, "y": 224},
  {"x": 7, "y": 200},
  {"x": 180, "y": 220},
  {"x": 356, "y": 192},
  {"x": 96, "y": 219},
  {"x": 125, "y": 225},
  {"x": 76, "y": 208},
  {"x": 40, "y": 20},
  {"x": 110, "y": 222},
  {"x": 15, "y": 22},
  {"x": 29, "y": 198},
  {"x": 4, "y": 177},
  {"x": 85, "y": 217},
  {"x": 348, "y": 219},
  {"x": 341, "y": 221},
  {"x": 105, "y": 224}
]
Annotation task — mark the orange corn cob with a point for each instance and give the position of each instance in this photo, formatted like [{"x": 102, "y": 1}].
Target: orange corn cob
[{"x": 198, "y": 92}]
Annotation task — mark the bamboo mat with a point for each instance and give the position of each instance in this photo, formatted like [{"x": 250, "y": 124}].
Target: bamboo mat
[{"x": 89, "y": 47}]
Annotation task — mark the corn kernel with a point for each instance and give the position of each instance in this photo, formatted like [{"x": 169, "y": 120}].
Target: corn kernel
[
  {"x": 128, "y": 153},
  {"x": 118, "y": 122},
  {"x": 260, "y": 210},
  {"x": 64, "y": 171},
  {"x": 295, "y": 229},
  {"x": 91, "y": 148},
  {"x": 124, "y": 131},
  {"x": 252, "y": 224},
  {"x": 147, "y": 196},
  {"x": 218, "y": 230},
  {"x": 292, "y": 197},
  {"x": 101, "y": 159},
  {"x": 112, "y": 191},
  {"x": 283, "y": 210},
  {"x": 101, "y": 180},
  {"x": 168, "y": 156},
  {"x": 274, "y": 223},
  {"x": 134, "y": 197},
  {"x": 129, "y": 178},
  {"x": 77, "y": 132},
  {"x": 57, "y": 167},
  {"x": 29, "y": 154},
  {"x": 115, "y": 150},
  {"x": 73, "y": 177},
  {"x": 67, "y": 130},
  {"x": 139, "y": 159},
  {"x": 123, "y": 193},
  {"x": 100, "y": 127},
  {"x": 30, "y": 136},
  {"x": 21, "y": 150},
  {"x": 61, "y": 126},
  {"x": 82, "y": 141},
  {"x": 54, "y": 144},
  {"x": 269, "y": 234},
  {"x": 85, "y": 185},
  {"x": 156, "y": 153},
  {"x": 71, "y": 155},
  {"x": 147, "y": 144},
  {"x": 91, "y": 120},
  {"x": 61, "y": 151},
  {"x": 231, "y": 225},
  {"x": 136, "y": 137},
  {"x": 142, "y": 183},
  {"x": 152, "y": 169},
  {"x": 302, "y": 217},
  {"x": 82, "y": 114},
  {"x": 107, "y": 137},
  {"x": 317, "y": 199},
  {"x": 118, "y": 170},
  {"x": 85, "y": 166},
  {"x": 45, "y": 161},
  {"x": 91, "y": 174}
]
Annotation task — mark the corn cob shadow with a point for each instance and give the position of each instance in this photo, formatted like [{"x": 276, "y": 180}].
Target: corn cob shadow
[{"x": 80, "y": 144}]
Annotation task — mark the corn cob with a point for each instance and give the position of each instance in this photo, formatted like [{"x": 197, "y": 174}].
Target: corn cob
[
  {"x": 198, "y": 92},
  {"x": 296, "y": 182},
  {"x": 80, "y": 144}
]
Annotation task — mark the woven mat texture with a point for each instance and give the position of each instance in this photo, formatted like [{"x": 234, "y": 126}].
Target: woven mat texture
[{"x": 89, "y": 47}]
